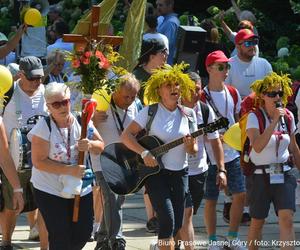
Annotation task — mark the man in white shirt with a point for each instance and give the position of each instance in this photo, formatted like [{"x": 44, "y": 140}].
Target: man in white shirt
[
  {"x": 122, "y": 110},
  {"x": 26, "y": 104},
  {"x": 245, "y": 66}
]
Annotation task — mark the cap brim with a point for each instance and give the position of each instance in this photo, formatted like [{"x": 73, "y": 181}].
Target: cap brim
[
  {"x": 223, "y": 60},
  {"x": 36, "y": 72}
]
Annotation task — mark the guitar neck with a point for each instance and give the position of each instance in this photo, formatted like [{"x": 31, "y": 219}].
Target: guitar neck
[{"x": 166, "y": 147}]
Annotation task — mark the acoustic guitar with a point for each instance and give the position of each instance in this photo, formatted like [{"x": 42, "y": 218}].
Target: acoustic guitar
[{"x": 125, "y": 171}]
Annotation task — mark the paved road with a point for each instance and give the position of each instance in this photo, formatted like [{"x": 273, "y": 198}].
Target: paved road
[{"x": 137, "y": 237}]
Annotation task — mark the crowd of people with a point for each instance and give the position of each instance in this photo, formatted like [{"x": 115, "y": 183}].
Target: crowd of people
[{"x": 163, "y": 99}]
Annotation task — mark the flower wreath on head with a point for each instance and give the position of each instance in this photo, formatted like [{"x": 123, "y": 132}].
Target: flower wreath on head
[
  {"x": 272, "y": 80},
  {"x": 168, "y": 74}
]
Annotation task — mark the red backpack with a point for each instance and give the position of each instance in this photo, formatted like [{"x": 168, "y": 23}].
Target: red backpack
[
  {"x": 291, "y": 105},
  {"x": 233, "y": 92}
]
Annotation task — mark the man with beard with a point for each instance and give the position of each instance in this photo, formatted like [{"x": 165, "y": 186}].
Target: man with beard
[{"x": 245, "y": 66}]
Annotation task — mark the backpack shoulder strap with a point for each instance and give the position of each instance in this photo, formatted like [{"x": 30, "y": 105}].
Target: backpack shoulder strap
[
  {"x": 233, "y": 93},
  {"x": 261, "y": 119},
  {"x": 288, "y": 120},
  {"x": 188, "y": 113},
  {"x": 202, "y": 97},
  {"x": 205, "y": 112},
  {"x": 48, "y": 122},
  {"x": 151, "y": 114}
]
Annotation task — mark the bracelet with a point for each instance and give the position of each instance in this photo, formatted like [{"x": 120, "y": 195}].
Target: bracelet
[
  {"x": 144, "y": 154},
  {"x": 222, "y": 171},
  {"x": 18, "y": 190}
]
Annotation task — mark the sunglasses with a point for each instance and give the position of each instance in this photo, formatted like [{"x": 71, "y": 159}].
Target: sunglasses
[
  {"x": 222, "y": 67},
  {"x": 251, "y": 43},
  {"x": 57, "y": 105},
  {"x": 33, "y": 79},
  {"x": 273, "y": 94}
]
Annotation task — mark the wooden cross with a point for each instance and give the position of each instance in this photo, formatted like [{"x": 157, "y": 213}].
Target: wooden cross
[{"x": 94, "y": 25}]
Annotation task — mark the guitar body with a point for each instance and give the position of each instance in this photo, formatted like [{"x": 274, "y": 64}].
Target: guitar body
[{"x": 124, "y": 170}]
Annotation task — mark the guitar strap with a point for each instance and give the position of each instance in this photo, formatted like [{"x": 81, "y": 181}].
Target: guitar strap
[{"x": 151, "y": 114}]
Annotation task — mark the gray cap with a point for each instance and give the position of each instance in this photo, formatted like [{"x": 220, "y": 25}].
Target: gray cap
[{"x": 32, "y": 66}]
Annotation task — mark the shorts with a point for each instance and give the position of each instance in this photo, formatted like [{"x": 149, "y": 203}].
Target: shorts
[
  {"x": 262, "y": 194},
  {"x": 196, "y": 191},
  {"x": 29, "y": 200},
  {"x": 235, "y": 180}
]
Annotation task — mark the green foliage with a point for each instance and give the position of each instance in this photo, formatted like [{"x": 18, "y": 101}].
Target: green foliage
[
  {"x": 213, "y": 10},
  {"x": 5, "y": 16},
  {"x": 282, "y": 42},
  {"x": 281, "y": 66}
]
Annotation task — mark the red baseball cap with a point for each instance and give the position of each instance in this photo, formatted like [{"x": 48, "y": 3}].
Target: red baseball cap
[
  {"x": 216, "y": 56},
  {"x": 244, "y": 34}
]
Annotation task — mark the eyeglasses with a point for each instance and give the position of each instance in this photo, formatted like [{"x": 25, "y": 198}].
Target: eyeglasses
[
  {"x": 273, "y": 94},
  {"x": 33, "y": 79},
  {"x": 57, "y": 105},
  {"x": 251, "y": 43},
  {"x": 222, "y": 67},
  {"x": 164, "y": 52}
]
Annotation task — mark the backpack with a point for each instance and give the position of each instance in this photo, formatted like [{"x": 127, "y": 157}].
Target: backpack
[
  {"x": 232, "y": 91},
  {"x": 246, "y": 164},
  {"x": 291, "y": 105}
]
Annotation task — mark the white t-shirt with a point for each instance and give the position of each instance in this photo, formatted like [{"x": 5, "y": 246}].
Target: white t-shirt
[
  {"x": 48, "y": 182},
  {"x": 169, "y": 126},
  {"x": 198, "y": 162},
  {"x": 268, "y": 154},
  {"x": 109, "y": 128},
  {"x": 219, "y": 99},
  {"x": 29, "y": 105},
  {"x": 157, "y": 36},
  {"x": 242, "y": 74}
]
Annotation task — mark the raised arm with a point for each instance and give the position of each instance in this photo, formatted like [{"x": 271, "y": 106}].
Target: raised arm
[
  {"x": 13, "y": 42},
  {"x": 236, "y": 8}
]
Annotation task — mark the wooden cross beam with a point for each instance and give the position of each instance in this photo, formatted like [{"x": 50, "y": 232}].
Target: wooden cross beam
[{"x": 94, "y": 25}]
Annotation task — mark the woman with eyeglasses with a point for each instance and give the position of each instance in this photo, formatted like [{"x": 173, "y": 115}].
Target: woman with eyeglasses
[
  {"x": 225, "y": 102},
  {"x": 272, "y": 149},
  {"x": 55, "y": 148}
]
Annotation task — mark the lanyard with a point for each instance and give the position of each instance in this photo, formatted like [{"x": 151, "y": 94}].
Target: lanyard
[
  {"x": 116, "y": 115},
  {"x": 67, "y": 143}
]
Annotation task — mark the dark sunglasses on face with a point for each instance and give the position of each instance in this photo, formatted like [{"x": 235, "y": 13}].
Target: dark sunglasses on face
[
  {"x": 273, "y": 94},
  {"x": 251, "y": 43},
  {"x": 222, "y": 67},
  {"x": 57, "y": 105},
  {"x": 33, "y": 79}
]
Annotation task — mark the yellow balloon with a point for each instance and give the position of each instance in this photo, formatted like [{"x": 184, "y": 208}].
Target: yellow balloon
[
  {"x": 232, "y": 137},
  {"x": 102, "y": 98},
  {"x": 6, "y": 80},
  {"x": 33, "y": 17}
]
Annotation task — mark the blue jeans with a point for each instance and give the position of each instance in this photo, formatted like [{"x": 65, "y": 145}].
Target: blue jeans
[
  {"x": 111, "y": 225},
  {"x": 64, "y": 234},
  {"x": 235, "y": 180},
  {"x": 167, "y": 191}
]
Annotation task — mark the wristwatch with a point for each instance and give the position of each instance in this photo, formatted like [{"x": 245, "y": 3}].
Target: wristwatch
[{"x": 144, "y": 153}]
